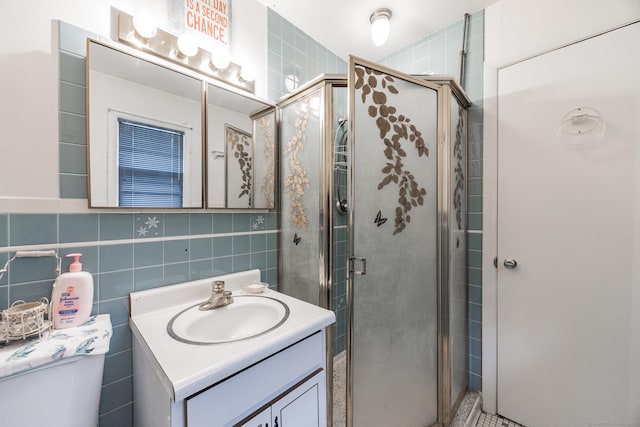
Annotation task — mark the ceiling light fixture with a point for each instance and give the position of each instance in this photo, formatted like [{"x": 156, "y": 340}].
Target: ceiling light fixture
[{"x": 380, "y": 26}]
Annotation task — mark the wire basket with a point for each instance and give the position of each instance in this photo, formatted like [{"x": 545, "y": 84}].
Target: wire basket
[{"x": 24, "y": 319}]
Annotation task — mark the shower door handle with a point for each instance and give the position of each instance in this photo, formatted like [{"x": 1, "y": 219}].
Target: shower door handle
[
  {"x": 510, "y": 263},
  {"x": 352, "y": 265}
]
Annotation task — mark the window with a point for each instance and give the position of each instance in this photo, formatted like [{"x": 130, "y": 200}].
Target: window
[{"x": 150, "y": 165}]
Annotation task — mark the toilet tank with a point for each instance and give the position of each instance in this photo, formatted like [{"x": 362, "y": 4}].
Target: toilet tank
[
  {"x": 55, "y": 380},
  {"x": 65, "y": 393}
]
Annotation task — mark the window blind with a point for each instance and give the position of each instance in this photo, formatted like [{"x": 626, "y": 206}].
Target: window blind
[{"x": 150, "y": 165}]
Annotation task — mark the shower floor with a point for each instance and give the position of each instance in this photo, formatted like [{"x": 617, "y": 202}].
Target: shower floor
[
  {"x": 340, "y": 390},
  {"x": 469, "y": 414},
  {"x": 488, "y": 420}
]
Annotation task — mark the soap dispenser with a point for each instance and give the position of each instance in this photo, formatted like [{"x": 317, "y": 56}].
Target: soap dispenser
[{"x": 72, "y": 297}]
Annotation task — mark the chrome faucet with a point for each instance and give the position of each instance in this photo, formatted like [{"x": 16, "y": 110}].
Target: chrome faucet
[{"x": 219, "y": 297}]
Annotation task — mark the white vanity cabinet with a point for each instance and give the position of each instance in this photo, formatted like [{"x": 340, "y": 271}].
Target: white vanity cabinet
[
  {"x": 292, "y": 383},
  {"x": 276, "y": 379}
]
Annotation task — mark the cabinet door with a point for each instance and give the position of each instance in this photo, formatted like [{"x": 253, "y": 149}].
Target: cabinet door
[
  {"x": 305, "y": 406},
  {"x": 228, "y": 401},
  {"x": 263, "y": 419}
]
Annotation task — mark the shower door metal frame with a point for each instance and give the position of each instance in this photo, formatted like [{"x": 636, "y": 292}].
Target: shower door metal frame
[
  {"x": 327, "y": 292},
  {"x": 444, "y": 92},
  {"x": 449, "y": 89},
  {"x": 323, "y": 85},
  {"x": 453, "y": 90}
]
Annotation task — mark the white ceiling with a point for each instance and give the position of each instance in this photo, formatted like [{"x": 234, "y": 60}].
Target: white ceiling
[{"x": 343, "y": 27}]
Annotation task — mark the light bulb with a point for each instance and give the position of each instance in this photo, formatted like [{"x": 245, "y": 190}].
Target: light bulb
[
  {"x": 380, "y": 26},
  {"x": 187, "y": 45},
  {"x": 145, "y": 26},
  {"x": 248, "y": 73},
  {"x": 220, "y": 59}
]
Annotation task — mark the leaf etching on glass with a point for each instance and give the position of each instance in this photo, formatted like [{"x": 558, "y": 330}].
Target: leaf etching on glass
[
  {"x": 296, "y": 181},
  {"x": 458, "y": 192},
  {"x": 395, "y": 130},
  {"x": 265, "y": 124},
  {"x": 240, "y": 144}
]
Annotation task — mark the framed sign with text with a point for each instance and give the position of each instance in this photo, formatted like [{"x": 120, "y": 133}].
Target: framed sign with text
[{"x": 208, "y": 21}]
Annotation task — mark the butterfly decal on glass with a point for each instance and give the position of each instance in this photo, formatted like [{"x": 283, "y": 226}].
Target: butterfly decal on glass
[{"x": 379, "y": 219}]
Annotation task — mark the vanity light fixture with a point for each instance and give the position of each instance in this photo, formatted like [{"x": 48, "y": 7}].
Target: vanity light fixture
[
  {"x": 380, "y": 26},
  {"x": 145, "y": 27},
  {"x": 183, "y": 50}
]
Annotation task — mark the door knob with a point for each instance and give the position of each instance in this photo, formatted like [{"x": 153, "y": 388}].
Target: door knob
[{"x": 510, "y": 263}]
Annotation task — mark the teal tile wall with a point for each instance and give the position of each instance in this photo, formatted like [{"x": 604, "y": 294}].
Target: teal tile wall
[
  {"x": 340, "y": 222},
  {"x": 294, "y": 58},
  {"x": 72, "y": 134},
  {"x": 340, "y": 235},
  {"x": 132, "y": 252},
  {"x": 439, "y": 53}
]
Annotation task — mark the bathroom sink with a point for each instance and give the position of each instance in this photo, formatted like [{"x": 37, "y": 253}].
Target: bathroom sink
[{"x": 247, "y": 317}]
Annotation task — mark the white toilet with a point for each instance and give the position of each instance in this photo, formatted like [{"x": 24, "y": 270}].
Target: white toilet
[
  {"x": 62, "y": 394},
  {"x": 36, "y": 392}
]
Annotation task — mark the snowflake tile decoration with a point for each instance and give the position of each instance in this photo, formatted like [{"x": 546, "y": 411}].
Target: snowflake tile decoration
[
  {"x": 258, "y": 222},
  {"x": 148, "y": 226}
]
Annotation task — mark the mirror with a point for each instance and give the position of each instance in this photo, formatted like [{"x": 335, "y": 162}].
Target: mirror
[
  {"x": 145, "y": 132},
  {"x": 145, "y": 138},
  {"x": 240, "y": 151}
]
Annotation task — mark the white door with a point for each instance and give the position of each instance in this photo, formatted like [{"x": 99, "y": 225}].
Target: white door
[{"x": 569, "y": 215}]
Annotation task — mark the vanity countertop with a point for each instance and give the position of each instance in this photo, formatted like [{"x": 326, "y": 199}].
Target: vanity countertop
[{"x": 188, "y": 368}]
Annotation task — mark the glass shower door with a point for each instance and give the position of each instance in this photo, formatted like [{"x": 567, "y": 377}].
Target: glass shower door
[
  {"x": 393, "y": 226},
  {"x": 302, "y": 215}
]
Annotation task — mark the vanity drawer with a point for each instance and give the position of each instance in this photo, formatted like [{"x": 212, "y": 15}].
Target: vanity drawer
[{"x": 243, "y": 393}]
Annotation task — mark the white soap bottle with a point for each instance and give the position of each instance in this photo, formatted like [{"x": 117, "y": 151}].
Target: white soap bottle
[{"x": 72, "y": 297}]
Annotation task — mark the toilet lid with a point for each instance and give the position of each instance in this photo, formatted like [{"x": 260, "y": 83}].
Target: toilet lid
[{"x": 89, "y": 339}]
